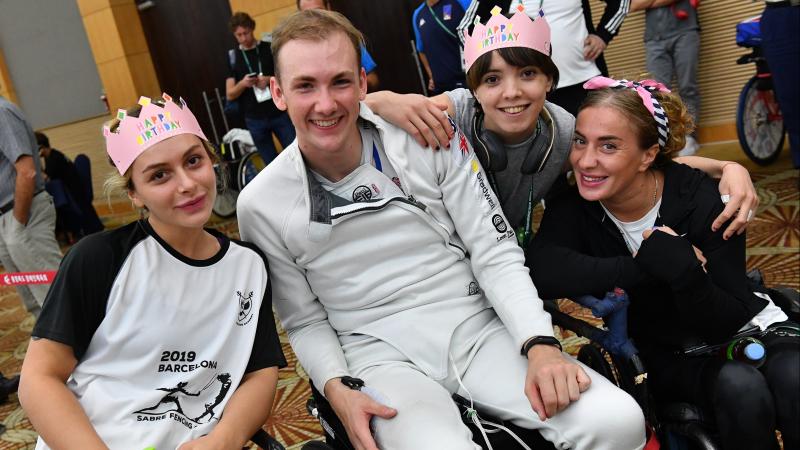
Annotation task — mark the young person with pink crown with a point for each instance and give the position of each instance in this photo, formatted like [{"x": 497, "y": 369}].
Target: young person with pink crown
[
  {"x": 521, "y": 139},
  {"x": 395, "y": 265},
  {"x": 159, "y": 334}
]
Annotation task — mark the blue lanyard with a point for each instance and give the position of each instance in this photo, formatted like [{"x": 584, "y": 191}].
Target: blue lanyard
[{"x": 376, "y": 157}]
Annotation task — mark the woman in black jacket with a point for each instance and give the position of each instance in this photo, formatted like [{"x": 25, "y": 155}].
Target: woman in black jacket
[{"x": 640, "y": 222}]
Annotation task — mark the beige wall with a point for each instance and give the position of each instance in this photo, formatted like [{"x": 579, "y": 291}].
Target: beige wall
[
  {"x": 720, "y": 79},
  {"x": 266, "y": 13},
  {"x": 120, "y": 50}
]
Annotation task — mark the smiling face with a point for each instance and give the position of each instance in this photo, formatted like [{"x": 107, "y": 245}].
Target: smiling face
[
  {"x": 320, "y": 85},
  {"x": 512, "y": 98},
  {"x": 606, "y": 156},
  {"x": 174, "y": 179}
]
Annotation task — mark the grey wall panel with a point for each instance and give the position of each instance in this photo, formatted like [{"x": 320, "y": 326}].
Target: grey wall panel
[{"x": 49, "y": 61}]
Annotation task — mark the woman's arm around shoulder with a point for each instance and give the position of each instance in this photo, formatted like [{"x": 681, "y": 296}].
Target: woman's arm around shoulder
[
  {"x": 419, "y": 116},
  {"x": 735, "y": 188}
]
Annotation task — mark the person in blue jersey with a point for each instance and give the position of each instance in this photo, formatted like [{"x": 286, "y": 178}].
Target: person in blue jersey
[
  {"x": 435, "y": 24},
  {"x": 367, "y": 62}
]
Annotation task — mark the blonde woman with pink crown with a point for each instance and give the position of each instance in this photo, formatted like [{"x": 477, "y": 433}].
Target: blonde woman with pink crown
[{"x": 159, "y": 334}]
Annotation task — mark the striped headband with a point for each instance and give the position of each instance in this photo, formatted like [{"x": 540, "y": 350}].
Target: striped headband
[{"x": 644, "y": 89}]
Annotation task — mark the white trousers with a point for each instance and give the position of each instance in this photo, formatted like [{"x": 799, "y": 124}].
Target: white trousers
[{"x": 493, "y": 371}]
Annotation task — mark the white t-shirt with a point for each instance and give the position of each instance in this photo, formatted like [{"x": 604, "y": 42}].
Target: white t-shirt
[
  {"x": 162, "y": 341},
  {"x": 567, "y": 34}
]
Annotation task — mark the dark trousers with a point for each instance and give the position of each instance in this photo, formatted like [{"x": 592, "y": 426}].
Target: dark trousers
[
  {"x": 261, "y": 129},
  {"x": 748, "y": 404},
  {"x": 569, "y": 97},
  {"x": 781, "y": 45}
]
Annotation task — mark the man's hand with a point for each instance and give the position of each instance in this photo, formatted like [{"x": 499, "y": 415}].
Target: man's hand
[
  {"x": 262, "y": 81},
  {"x": 552, "y": 381},
  {"x": 24, "y": 185},
  {"x": 737, "y": 188},
  {"x": 248, "y": 82},
  {"x": 355, "y": 409},
  {"x": 593, "y": 46},
  {"x": 417, "y": 115}
]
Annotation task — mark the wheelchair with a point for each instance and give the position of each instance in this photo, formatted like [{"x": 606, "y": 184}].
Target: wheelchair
[
  {"x": 671, "y": 425},
  {"x": 336, "y": 436}
]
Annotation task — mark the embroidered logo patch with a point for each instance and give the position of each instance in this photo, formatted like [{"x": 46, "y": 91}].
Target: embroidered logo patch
[
  {"x": 245, "y": 308},
  {"x": 362, "y": 194},
  {"x": 499, "y": 223}
]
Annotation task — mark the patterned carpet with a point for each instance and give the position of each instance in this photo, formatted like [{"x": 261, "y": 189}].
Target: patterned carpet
[{"x": 773, "y": 246}]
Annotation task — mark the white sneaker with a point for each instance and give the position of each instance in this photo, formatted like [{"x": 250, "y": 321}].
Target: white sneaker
[{"x": 690, "y": 148}]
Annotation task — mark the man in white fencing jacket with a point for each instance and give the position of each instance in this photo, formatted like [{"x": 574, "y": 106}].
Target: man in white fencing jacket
[{"x": 396, "y": 265}]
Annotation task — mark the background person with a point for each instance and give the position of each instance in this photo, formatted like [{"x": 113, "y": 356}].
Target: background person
[
  {"x": 578, "y": 44},
  {"x": 159, "y": 305},
  {"x": 781, "y": 46},
  {"x": 251, "y": 66},
  {"x": 435, "y": 24},
  {"x": 27, "y": 215},
  {"x": 672, "y": 45},
  {"x": 641, "y": 222},
  {"x": 367, "y": 62},
  {"x": 57, "y": 166}
]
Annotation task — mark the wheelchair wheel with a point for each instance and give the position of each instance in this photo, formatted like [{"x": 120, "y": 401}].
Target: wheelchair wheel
[
  {"x": 593, "y": 356},
  {"x": 225, "y": 202},
  {"x": 759, "y": 123},
  {"x": 249, "y": 167}
]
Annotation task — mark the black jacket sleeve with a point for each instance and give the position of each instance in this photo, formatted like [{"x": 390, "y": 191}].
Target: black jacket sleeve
[
  {"x": 558, "y": 256},
  {"x": 610, "y": 23},
  {"x": 715, "y": 304}
]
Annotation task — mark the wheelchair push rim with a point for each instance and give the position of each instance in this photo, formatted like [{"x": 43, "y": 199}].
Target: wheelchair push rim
[{"x": 225, "y": 201}]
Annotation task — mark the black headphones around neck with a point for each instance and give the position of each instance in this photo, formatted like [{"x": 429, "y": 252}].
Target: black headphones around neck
[{"x": 491, "y": 151}]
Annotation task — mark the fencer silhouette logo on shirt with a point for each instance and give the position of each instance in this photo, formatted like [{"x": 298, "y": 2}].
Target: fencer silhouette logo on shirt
[
  {"x": 245, "y": 308},
  {"x": 190, "y": 408},
  {"x": 362, "y": 194}
]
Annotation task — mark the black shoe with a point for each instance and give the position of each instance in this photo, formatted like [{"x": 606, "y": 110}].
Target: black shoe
[
  {"x": 316, "y": 445},
  {"x": 8, "y": 386}
]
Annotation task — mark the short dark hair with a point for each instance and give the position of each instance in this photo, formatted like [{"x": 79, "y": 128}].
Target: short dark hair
[
  {"x": 42, "y": 140},
  {"x": 515, "y": 56},
  {"x": 241, "y": 19}
]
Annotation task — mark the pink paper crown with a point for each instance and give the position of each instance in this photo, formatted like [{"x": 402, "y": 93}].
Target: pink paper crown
[
  {"x": 154, "y": 124},
  {"x": 501, "y": 32}
]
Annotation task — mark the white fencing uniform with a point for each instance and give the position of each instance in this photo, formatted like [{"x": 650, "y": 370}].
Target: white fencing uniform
[{"x": 371, "y": 278}]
